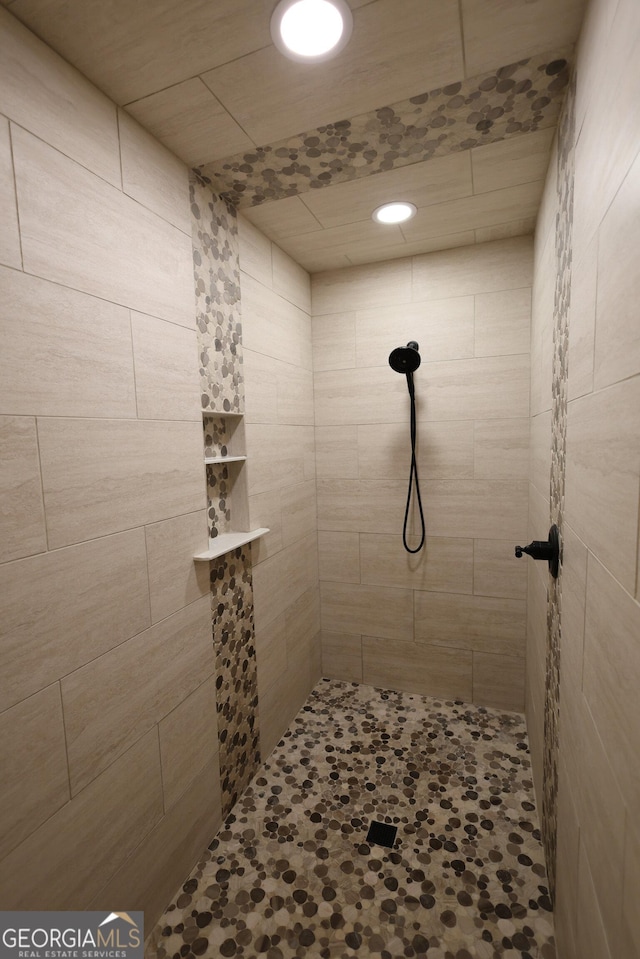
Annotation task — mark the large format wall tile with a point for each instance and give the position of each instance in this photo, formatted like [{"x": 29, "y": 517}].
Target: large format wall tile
[
  {"x": 63, "y": 608},
  {"x": 10, "y": 252},
  {"x": 341, "y": 656},
  {"x": 498, "y": 680},
  {"x": 334, "y": 341},
  {"x": 22, "y": 524},
  {"x": 427, "y": 670},
  {"x": 478, "y": 508},
  {"x": 61, "y": 352},
  {"x": 290, "y": 280},
  {"x": 502, "y": 322},
  {"x": 482, "y": 623},
  {"x": 125, "y": 473},
  {"x": 84, "y": 233},
  {"x": 359, "y": 288},
  {"x": 152, "y": 175},
  {"x": 174, "y": 579},
  {"x": 353, "y": 609},
  {"x": 35, "y": 779},
  {"x": 496, "y": 572},
  {"x": 282, "y": 578},
  {"x": 339, "y": 556},
  {"x": 255, "y": 252},
  {"x": 492, "y": 387},
  {"x": 487, "y": 267},
  {"x": 47, "y": 96},
  {"x": 603, "y": 466},
  {"x": 445, "y": 564},
  {"x": 274, "y": 326},
  {"x": 376, "y": 395},
  {"x": 166, "y": 370},
  {"x": 501, "y": 449},
  {"x": 444, "y": 450},
  {"x": 367, "y": 506},
  {"x": 67, "y": 859},
  {"x": 107, "y": 706},
  {"x": 188, "y": 741}
]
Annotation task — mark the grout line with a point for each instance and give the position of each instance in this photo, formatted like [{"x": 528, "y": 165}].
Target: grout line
[
  {"x": 66, "y": 739},
  {"x": 164, "y": 798},
  {"x": 119, "y": 148},
  {"x": 133, "y": 366},
  {"x": 462, "y": 47},
  {"x": 42, "y": 501},
  {"x": 15, "y": 191}
]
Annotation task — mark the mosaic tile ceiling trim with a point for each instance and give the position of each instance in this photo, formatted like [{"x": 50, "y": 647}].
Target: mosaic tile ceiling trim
[
  {"x": 516, "y": 99},
  {"x": 291, "y": 873}
]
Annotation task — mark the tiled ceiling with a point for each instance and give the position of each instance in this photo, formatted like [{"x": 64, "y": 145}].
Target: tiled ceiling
[{"x": 450, "y": 104}]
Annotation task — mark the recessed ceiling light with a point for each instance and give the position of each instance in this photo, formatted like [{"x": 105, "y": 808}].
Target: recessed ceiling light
[
  {"x": 396, "y": 212},
  {"x": 311, "y": 30}
]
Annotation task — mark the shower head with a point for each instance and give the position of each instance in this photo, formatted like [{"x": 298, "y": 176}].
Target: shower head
[{"x": 405, "y": 359}]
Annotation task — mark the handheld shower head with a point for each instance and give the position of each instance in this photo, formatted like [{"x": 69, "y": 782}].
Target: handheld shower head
[{"x": 405, "y": 359}]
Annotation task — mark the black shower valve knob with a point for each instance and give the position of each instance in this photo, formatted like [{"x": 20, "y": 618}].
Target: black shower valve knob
[{"x": 548, "y": 549}]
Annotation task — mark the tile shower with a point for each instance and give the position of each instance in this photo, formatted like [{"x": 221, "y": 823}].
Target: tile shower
[{"x": 325, "y": 434}]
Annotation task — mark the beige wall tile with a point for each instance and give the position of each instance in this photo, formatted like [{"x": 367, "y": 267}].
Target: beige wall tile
[
  {"x": 107, "y": 708},
  {"x": 279, "y": 703},
  {"x": 603, "y": 467},
  {"x": 63, "y": 608},
  {"x": 276, "y": 457},
  {"x": 495, "y": 570},
  {"x": 265, "y": 511},
  {"x": 492, "y": 387},
  {"x": 631, "y": 884},
  {"x": 78, "y": 365},
  {"x": 443, "y": 565},
  {"x": 295, "y": 395},
  {"x": 612, "y": 674},
  {"x": 617, "y": 341},
  {"x": 444, "y": 329},
  {"x": 482, "y": 623},
  {"x": 97, "y": 239},
  {"x": 302, "y": 620},
  {"x": 34, "y": 764},
  {"x": 336, "y": 452},
  {"x": 191, "y": 122},
  {"x": 271, "y": 650},
  {"x": 150, "y": 876},
  {"x": 502, "y": 265},
  {"x": 342, "y": 657},
  {"x": 51, "y": 99},
  {"x": 582, "y": 322},
  {"x": 334, "y": 341},
  {"x": 166, "y": 370},
  {"x": 542, "y": 306},
  {"x": 566, "y": 899},
  {"x": 502, "y": 231},
  {"x": 498, "y": 681},
  {"x": 362, "y": 286},
  {"x": 339, "y": 556},
  {"x": 281, "y": 579},
  {"x": 188, "y": 741},
  {"x": 539, "y": 519},
  {"x": 376, "y": 395},
  {"x": 152, "y": 175},
  {"x": 273, "y": 326},
  {"x": 174, "y": 579},
  {"x": 22, "y": 521},
  {"x": 348, "y": 608},
  {"x": 519, "y": 159},
  {"x": 427, "y": 670},
  {"x": 299, "y": 513},
  {"x": 261, "y": 387},
  {"x": 475, "y": 508},
  {"x": 503, "y": 322},
  {"x": 574, "y": 585},
  {"x": 10, "y": 252},
  {"x": 501, "y": 449},
  {"x": 443, "y": 450},
  {"x": 592, "y": 938},
  {"x": 126, "y": 473},
  {"x": 290, "y": 280},
  {"x": 65, "y": 862},
  {"x": 367, "y": 506},
  {"x": 540, "y": 463},
  {"x": 255, "y": 254}
]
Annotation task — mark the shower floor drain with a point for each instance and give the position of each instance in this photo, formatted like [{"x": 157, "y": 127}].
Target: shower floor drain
[{"x": 382, "y": 834}]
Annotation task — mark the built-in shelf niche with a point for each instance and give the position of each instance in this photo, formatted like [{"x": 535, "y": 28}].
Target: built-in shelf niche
[{"x": 227, "y": 493}]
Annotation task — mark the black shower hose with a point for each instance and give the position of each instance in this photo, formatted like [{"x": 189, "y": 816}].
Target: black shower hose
[{"x": 413, "y": 473}]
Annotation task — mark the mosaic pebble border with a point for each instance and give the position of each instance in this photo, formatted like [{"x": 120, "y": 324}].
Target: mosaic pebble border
[
  {"x": 291, "y": 874},
  {"x": 516, "y": 99}
]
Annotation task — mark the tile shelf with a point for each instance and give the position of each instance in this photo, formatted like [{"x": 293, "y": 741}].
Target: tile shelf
[
  {"x": 212, "y": 460},
  {"x": 221, "y": 413},
  {"x": 227, "y": 541}
]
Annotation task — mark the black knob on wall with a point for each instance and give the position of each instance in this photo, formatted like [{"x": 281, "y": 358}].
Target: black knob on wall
[{"x": 544, "y": 549}]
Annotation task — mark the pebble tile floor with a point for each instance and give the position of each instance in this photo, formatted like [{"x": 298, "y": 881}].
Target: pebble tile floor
[{"x": 291, "y": 872}]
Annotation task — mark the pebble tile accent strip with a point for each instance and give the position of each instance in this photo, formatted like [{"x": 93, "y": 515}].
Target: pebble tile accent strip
[
  {"x": 291, "y": 874},
  {"x": 236, "y": 673},
  {"x": 516, "y": 99},
  {"x": 217, "y": 283},
  {"x": 562, "y": 301}
]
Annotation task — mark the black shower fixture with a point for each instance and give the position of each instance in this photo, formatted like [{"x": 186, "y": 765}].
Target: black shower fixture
[{"x": 406, "y": 359}]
